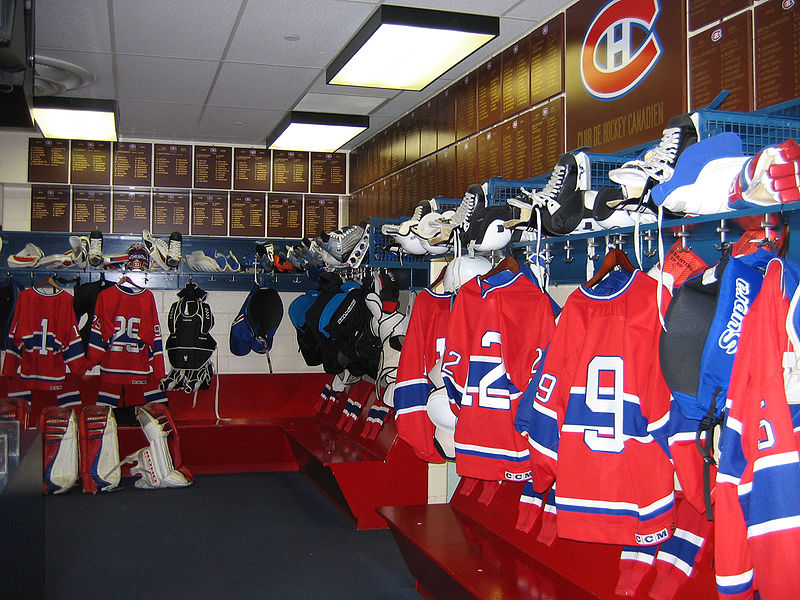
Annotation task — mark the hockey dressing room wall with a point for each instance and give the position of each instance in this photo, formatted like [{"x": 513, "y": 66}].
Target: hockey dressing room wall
[{"x": 15, "y": 201}]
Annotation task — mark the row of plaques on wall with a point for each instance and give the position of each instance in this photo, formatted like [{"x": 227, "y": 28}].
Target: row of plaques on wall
[
  {"x": 86, "y": 162},
  {"x": 194, "y": 212}
]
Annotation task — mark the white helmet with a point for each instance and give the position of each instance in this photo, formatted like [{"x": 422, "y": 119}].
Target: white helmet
[{"x": 463, "y": 268}]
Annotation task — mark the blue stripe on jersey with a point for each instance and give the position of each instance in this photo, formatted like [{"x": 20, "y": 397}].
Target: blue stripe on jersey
[
  {"x": 411, "y": 394},
  {"x": 618, "y": 509},
  {"x": 732, "y": 462},
  {"x": 774, "y": 492},
  {"x": 681, "y": 550},
  {"x": 73, "y": 351},
  {"x": 492, "y": 453},
  {"x": 732, "y": 585},
  {"x": 544, "y": 427}
]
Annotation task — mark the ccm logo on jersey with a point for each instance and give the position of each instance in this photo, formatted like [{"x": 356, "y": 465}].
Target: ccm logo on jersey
[
  {"x": 519, "y": 476},
  {"x": 650, "y": 539},
  {"x": 620, "y": 48},
  {"x": 729, "y": 339}
]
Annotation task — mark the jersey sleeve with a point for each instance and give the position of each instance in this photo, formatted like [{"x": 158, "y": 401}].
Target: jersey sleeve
[
  {"x": 413, "y": 386},
  {"x": 13, "y": 354},
  {"x": 455, "y": 360},
  {"x": 156, "y": 344},
  {"x": 758, "y": 482}
]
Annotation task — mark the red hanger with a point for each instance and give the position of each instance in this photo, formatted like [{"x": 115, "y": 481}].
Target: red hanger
[
  {"x": 614, "y": 258},
  {"x": 509, "y": 263}
]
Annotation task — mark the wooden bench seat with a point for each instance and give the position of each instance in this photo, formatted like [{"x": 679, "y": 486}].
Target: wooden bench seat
[{"x": 470, "y": 548}]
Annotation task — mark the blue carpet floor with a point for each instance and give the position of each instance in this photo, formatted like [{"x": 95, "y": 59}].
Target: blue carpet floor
[{"x": 231, "y": 537}]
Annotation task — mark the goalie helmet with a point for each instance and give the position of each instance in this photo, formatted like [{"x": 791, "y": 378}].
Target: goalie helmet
[{"x": 159, "y": 465}]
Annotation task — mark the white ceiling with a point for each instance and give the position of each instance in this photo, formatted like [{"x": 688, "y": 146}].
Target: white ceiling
[{"x": 222, "y": 71}]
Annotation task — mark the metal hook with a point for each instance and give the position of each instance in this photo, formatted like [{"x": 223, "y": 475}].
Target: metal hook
[
  {"x": 548, "y": 255},
  {"x": 618, "y": 240},
  {"x": 568, "y": 248},
  {"x": 648, "y": 237},
  {"x": 682, "y": 235},
  {"x": 722, "y": 230},
  {"x": 591, "y": 249}
]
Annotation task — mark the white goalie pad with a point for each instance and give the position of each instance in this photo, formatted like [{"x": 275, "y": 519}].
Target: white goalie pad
[
  {"x": 154, "y": 464},
  {"x": 442, "y": 417},
  {"x": 59, "y": 427},
  {"x": 100, "y": 467}
]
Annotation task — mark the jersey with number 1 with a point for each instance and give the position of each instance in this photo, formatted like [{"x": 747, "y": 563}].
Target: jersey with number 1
[
  {"x": 596, "y": 415},
  {"x": 126, "y": 337},
  {"x": 43, "y": 340},
  {"x": 497, "y": 331}
]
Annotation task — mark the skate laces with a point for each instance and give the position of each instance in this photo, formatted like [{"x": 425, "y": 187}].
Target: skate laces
[
  {"x": 659, "y": 164},
  {"x": 553, "y": 188},
  {"x": 465, "y": 209}
]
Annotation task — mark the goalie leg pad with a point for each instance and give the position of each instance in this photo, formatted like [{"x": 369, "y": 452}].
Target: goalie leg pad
[
  {"x": 59, "y": 427},
  {"x": 155, "y": 464},
  {"x": 100, "y": 466}
]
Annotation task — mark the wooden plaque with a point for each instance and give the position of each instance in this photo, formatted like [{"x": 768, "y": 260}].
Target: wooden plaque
[
  {"x": 170, "y": 212},
  {"x": 90, "y": 162},
  {"x": 547, "y": 60},
  {"x": 427, "y": 134},
  {"x": 49, "y": 208},
  {"x": 91, "y": 209},
  {"x": 777, "y": 33},
  {"x": 547, "y": 136},
  {"x": 516, "y": 77},
  {"x": 209, "y": 213},
  {"x": 321, "y": 214},
  {"x": 285, "y": 215},
  {"x": 212, "y": 167},
  {"x": 247, "y": 214},
  {"x": 446, "y": 117},
  {"x": 48, "y": 161},
  {"x": 466, "y": 165},
  {"x": 427, "y": 178},
  {"x": 446, "y": 173},
  {"x": 289, "y": 171},
  {"x": 490, "y": 154},
  {"x": 490, "y": 93},
  {"x": 172, "y": 165},
  {"x": 251, "y": 169},
  {"x": 132, "y": 164},
  {"x": 517, "y": 147},
  {"x": 466, "y": 106},
  {"x": 328, "y": 173},
  {"x": 703, "y": 12},
  {"x": 393, "y": 150},
  {"x": 130, "y": 212},
  {"x": 413, "y": 131},
  {"x": 721, "y": 59}
]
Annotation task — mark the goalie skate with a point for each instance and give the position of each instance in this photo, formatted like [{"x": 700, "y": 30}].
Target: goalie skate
[{"x": 154, "y": 464}]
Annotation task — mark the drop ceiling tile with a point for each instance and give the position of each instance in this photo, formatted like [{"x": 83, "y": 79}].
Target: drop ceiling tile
[
  {"x": 538, "y": 10},
  {"x": 261, "y": 86},
  {"x": 247, "y": 124},
  {"x": 72, "y": 25},
  {"x": 177, "y": 80},
  {"x": 479, "y": 7},
  {"x": 98, "y": 64},
  {"x": 324, "y": 27},
  {"x": 339, "y": 103},
  {"x": 196, "y": 29},
  {"x": 158, "y": 120}
]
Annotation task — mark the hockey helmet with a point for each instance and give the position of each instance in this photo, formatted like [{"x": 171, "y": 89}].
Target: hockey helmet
[{"x": 463, "y": 268}]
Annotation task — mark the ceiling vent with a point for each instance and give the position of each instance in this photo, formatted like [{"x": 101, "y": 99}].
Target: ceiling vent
[{"x": 54, "y": 77}]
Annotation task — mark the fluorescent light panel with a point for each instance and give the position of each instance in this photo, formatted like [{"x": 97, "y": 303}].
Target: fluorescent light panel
[
  {"x": 316, "y": 132},
  {"x": 76, "y": 118},
  {"x": 408, "y": 48}
]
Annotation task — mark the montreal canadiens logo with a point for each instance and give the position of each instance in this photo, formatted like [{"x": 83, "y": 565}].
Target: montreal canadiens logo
[
  {"x": 787, "y": 4},
  {"x": 620, "y": 48}
]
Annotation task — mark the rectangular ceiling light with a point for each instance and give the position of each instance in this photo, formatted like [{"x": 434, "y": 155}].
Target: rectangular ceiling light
[
  {"x": 76, "y": 118},
  {"x": 407, "y": 48},
  {"x": 316, "y": 132}
]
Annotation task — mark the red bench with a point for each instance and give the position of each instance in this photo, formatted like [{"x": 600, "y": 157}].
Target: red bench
[
  {"x": 359, "y": 466},
  {"x": 470, "y": 548}
]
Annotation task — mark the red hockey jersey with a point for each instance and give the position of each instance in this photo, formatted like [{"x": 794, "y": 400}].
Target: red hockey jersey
[
  {"x": 422, "y": 347},
  {"x": 757, "y": 497},
  {"x": 596, "y": 416},
  {"x": 496, "y": 334},
  {"x": 126, "y": 337},
  {"x": 43, "y": 340}
]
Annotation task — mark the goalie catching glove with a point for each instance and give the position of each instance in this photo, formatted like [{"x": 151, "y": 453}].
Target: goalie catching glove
[{"x": 160, "y": 464}]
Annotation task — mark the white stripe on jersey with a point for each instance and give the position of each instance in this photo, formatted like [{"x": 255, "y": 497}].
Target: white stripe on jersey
[{"x": 772, "y": 526}]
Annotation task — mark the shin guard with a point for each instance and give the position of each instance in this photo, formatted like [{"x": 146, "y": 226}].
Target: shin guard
[
  {"x": 59, "y": 428},
  {"x": 160, "y": 465},
  {"x": 100, "y": 466}
]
